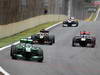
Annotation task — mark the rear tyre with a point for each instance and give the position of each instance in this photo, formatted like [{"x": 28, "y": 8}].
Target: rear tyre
[
  {"x": 73, "y": 44},
  {"x": 93, "y": 44},
  {"x": 33, "y": 37},
  {"x": 51, "y": 39}
]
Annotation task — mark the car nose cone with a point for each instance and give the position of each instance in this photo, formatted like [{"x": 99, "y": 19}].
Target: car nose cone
[{"x": 83, "y": 39}]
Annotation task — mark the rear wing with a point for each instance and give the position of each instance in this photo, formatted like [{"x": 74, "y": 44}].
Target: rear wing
[
  {"x": 85, "y": 32},
  {"x": 44, "y": 31}
]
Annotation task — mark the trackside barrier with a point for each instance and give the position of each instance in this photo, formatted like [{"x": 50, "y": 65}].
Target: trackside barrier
[{"x": 13, "y": 28}]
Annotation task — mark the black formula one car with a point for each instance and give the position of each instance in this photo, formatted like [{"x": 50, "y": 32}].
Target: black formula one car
[
  {"x": 84, "y": 40},
  {"x": 71, "y": 22},
  {"x": 25, "y": 50},
  {"x": 43, "y": 38}
]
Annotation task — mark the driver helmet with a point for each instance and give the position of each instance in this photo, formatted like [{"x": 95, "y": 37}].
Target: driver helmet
[{"x": 72, "y": 18}]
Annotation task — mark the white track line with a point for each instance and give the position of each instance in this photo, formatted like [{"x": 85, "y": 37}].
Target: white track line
[
  {"x": 28, "y": 37},
  {"x": 8, "y": 46},
  {"x": 53, "y": 25},
  {"x": 97, "y": 14},
  {"x": 3, "y": 71}
]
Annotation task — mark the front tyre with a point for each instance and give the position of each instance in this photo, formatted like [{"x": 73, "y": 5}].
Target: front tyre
[
  {"x": 40, "y": 60},
  {"x": 73, "y": 43},
  {"x": 40, "y": 52},
  {"x": 13, "y": 52},
  {"x": 76, "y": 24}
]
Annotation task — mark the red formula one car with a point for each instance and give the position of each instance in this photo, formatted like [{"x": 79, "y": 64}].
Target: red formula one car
[{"x": 84, "y": 39}]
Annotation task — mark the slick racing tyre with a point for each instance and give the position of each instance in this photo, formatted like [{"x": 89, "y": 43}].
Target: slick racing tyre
[
  {"x": 40, "y": 52},
  {"x": 13, "y": 52},
  {"x": 73, "y": 43},
  {"x": 51, "y": 39},
  {"x": 76, "y": 24},
  {"x": 93, "y": 44}
]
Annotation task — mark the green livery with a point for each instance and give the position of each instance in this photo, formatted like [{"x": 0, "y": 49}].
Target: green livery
[
  {"x": 26, "y": 51},
  {"x": 26, "y": 40}
]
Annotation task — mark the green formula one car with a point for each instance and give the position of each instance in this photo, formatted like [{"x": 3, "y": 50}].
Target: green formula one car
[{"x": 26, "y": 51}]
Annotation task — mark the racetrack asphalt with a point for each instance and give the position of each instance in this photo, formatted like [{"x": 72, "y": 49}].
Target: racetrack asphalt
[{"x": 60, "y": 58}]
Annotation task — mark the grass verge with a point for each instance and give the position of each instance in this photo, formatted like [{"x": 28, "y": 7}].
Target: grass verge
[
  {"x": 93, "y": 17},
  {"x": 90, "y": 18},
  {"x": 11, "y": 39}
]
